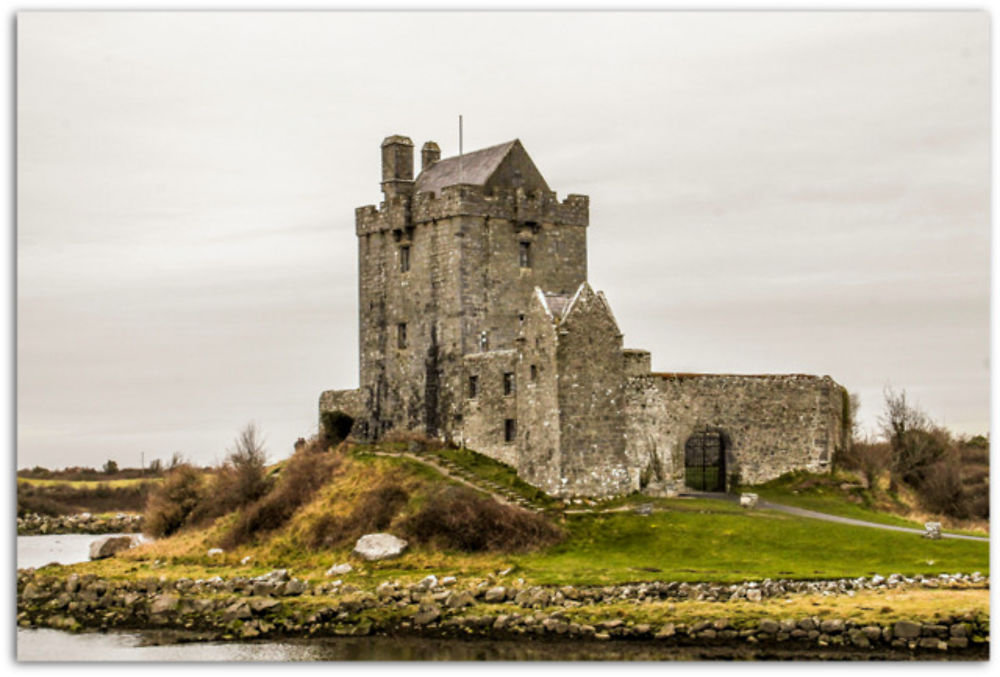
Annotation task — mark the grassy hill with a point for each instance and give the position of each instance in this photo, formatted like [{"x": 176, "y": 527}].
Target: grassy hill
[{"x": 683, "y": 539}]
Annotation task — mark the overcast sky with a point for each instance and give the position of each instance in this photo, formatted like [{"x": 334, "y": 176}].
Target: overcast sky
[{"x": 770, "y": 192}]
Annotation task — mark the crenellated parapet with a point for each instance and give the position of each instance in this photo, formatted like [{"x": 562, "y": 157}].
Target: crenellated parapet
[{"x": 471, "y": 200}]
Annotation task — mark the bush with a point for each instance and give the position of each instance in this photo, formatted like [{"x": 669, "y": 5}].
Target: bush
[
  {"x": 457, "y": 518},
  {"x": 306, "y": 471},
  {"x": 172, "y": 502},
  {"x": 871, "y": 459},
  {"x": 373, "y": 512},
  {"x": 241, "y": 479}
]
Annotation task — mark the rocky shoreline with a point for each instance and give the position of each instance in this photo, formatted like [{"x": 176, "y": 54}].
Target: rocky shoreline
[
  {"x": 83, "y": 523},
  {"x": 276, "y": 605}
]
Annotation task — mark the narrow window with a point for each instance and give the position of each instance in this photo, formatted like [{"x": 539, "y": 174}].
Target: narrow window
[
  {"x": 509, "y": 430},
  {"x": 534, "y": 372},
  {"x": 483, "y": 343},
  {"x": 404, "y": 258},
  {"x": 401, "y": 335},
  {"x": 508, "y": 383},
  {"x": 524, "y": 258},
  {"x": 473, "y": 387}
]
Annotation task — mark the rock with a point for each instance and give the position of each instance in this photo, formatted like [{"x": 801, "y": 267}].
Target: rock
[
  {"x": 872, "y": 632},
  {"x": 459, "y": 599},
  {"x": 748, "y": 500},
  {"x": 906, "y": 630},
  {"x": 933, "y": 530},
  {"x": 494, "y": 595},
  {"x": 339, "y": 570},
  {"x": 644, "y": 509},
  {"x": 295, "y": 587},
  {"x": 448, "y": 580},
  {"x": 831, "y": 626},
  {"x": 769, "y": 626},
  {"x": 667, "y": 630},
  {"x": 275, "y": 576},
  {"x": 263, "y": 604},
  {"x": 427, "y": 583},
  {"x": 374, "y": 547},
  {"x": 109, "y": 545},
  {"x": 858, "y": 638},
  {"x": 754, "y": 595},
  {"x": 215, "y": 552},
  {"x": 246, "y": 560},
  {"x": 427, "y": 615},
  {"x": 164, "y": 604}
]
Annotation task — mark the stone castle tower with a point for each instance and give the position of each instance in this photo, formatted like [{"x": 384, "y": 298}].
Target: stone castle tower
[{"x": 478, "y": 326}]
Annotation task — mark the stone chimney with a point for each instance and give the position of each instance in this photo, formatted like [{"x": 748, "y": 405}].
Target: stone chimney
[
  {"x": 397, "y": 166},
  {"x": 429, "y": 154}
]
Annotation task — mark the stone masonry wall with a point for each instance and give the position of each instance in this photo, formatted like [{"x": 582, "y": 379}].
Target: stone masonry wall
[
  {"x": 773, "y": 424},
  {"x": 465, "y": 279},
  {"x": 484, "y": 414},
  {"x": 538, "y": 454},
  {"x": 591, "y": 401}
]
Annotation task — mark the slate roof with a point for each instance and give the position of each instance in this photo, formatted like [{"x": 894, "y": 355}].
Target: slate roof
[{"x": 476, "y": 168}]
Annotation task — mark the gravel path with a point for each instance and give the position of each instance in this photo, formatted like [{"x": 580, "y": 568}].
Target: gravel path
[{"x": 802, "y": 512}]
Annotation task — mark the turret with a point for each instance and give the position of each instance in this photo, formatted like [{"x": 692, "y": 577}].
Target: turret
[
  {"x": 397, "y": 166},
  {"x": 429, "y": 154}
]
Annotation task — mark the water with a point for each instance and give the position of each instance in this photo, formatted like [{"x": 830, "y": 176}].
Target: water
[
  {"x": 45, "y": 645},
  {"x": 36, "y": 551}
]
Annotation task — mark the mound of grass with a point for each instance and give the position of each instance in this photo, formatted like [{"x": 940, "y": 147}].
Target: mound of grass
[
  {"x": 490, "y": 470},
  {"x": 457, "y": 531},
  {"x": 457, "y": 518}
]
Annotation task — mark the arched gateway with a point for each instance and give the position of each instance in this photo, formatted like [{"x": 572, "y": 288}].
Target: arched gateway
[{"x": 705, "y": 461}]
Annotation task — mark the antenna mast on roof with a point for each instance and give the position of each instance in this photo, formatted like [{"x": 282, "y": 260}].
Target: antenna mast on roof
[{"x": 461, "y": 174}]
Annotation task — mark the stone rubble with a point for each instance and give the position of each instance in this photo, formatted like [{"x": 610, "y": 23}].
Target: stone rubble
[{"x": 242, "y": 607}]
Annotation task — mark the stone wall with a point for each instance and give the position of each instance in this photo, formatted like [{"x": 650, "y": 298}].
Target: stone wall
[
  {"x": 463, "y": 291},
  {"x": 591, "y": 407},
  {"x": 484, "y": 415},
  {"x": 771, "y": 424}
]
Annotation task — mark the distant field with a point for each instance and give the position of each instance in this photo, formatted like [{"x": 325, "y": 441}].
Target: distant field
[{"x": 76, "y": 484}]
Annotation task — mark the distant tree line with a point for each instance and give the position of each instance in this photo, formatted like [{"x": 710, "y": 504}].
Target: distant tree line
[{"x": 949, "y": 473}]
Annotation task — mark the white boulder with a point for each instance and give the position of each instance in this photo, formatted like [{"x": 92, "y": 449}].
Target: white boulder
[
  {"x": 374, "y": 547},
  {"x": 748, "y": 500}
]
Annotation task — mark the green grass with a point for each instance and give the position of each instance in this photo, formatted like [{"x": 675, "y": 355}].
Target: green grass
[
  {"x": 494, "y": 471},
  {"x": 732, "y": 545},
  {"x": 685, "y": 539},
  {"x": 822, "y": 493}
]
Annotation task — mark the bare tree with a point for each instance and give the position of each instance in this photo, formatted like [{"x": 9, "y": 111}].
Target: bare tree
[
  {"x": 242, "y": 474},
  {"x": 914, "y": 441}
]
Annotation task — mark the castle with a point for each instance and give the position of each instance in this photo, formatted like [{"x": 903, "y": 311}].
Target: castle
[{"x": 478, "y": 326}]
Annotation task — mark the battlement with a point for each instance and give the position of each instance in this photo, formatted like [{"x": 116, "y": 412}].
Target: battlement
[{"x": 471, "y": 200}]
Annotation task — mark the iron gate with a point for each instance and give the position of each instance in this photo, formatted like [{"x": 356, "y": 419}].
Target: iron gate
[{"x": 705, "y": 461}]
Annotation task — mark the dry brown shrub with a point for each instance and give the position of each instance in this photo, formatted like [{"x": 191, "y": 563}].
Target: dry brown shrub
[
  {"x": 306, "y": 471},
  {"x": 170, "y": 504},
  {"x": 374, "y": 512},
  {"x": 457, "y": 518}
]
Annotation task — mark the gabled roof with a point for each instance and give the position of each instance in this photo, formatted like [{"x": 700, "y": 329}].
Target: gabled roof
[
  {"x": 481, "y": 168},
  {"x": 556, "y": 304}
]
